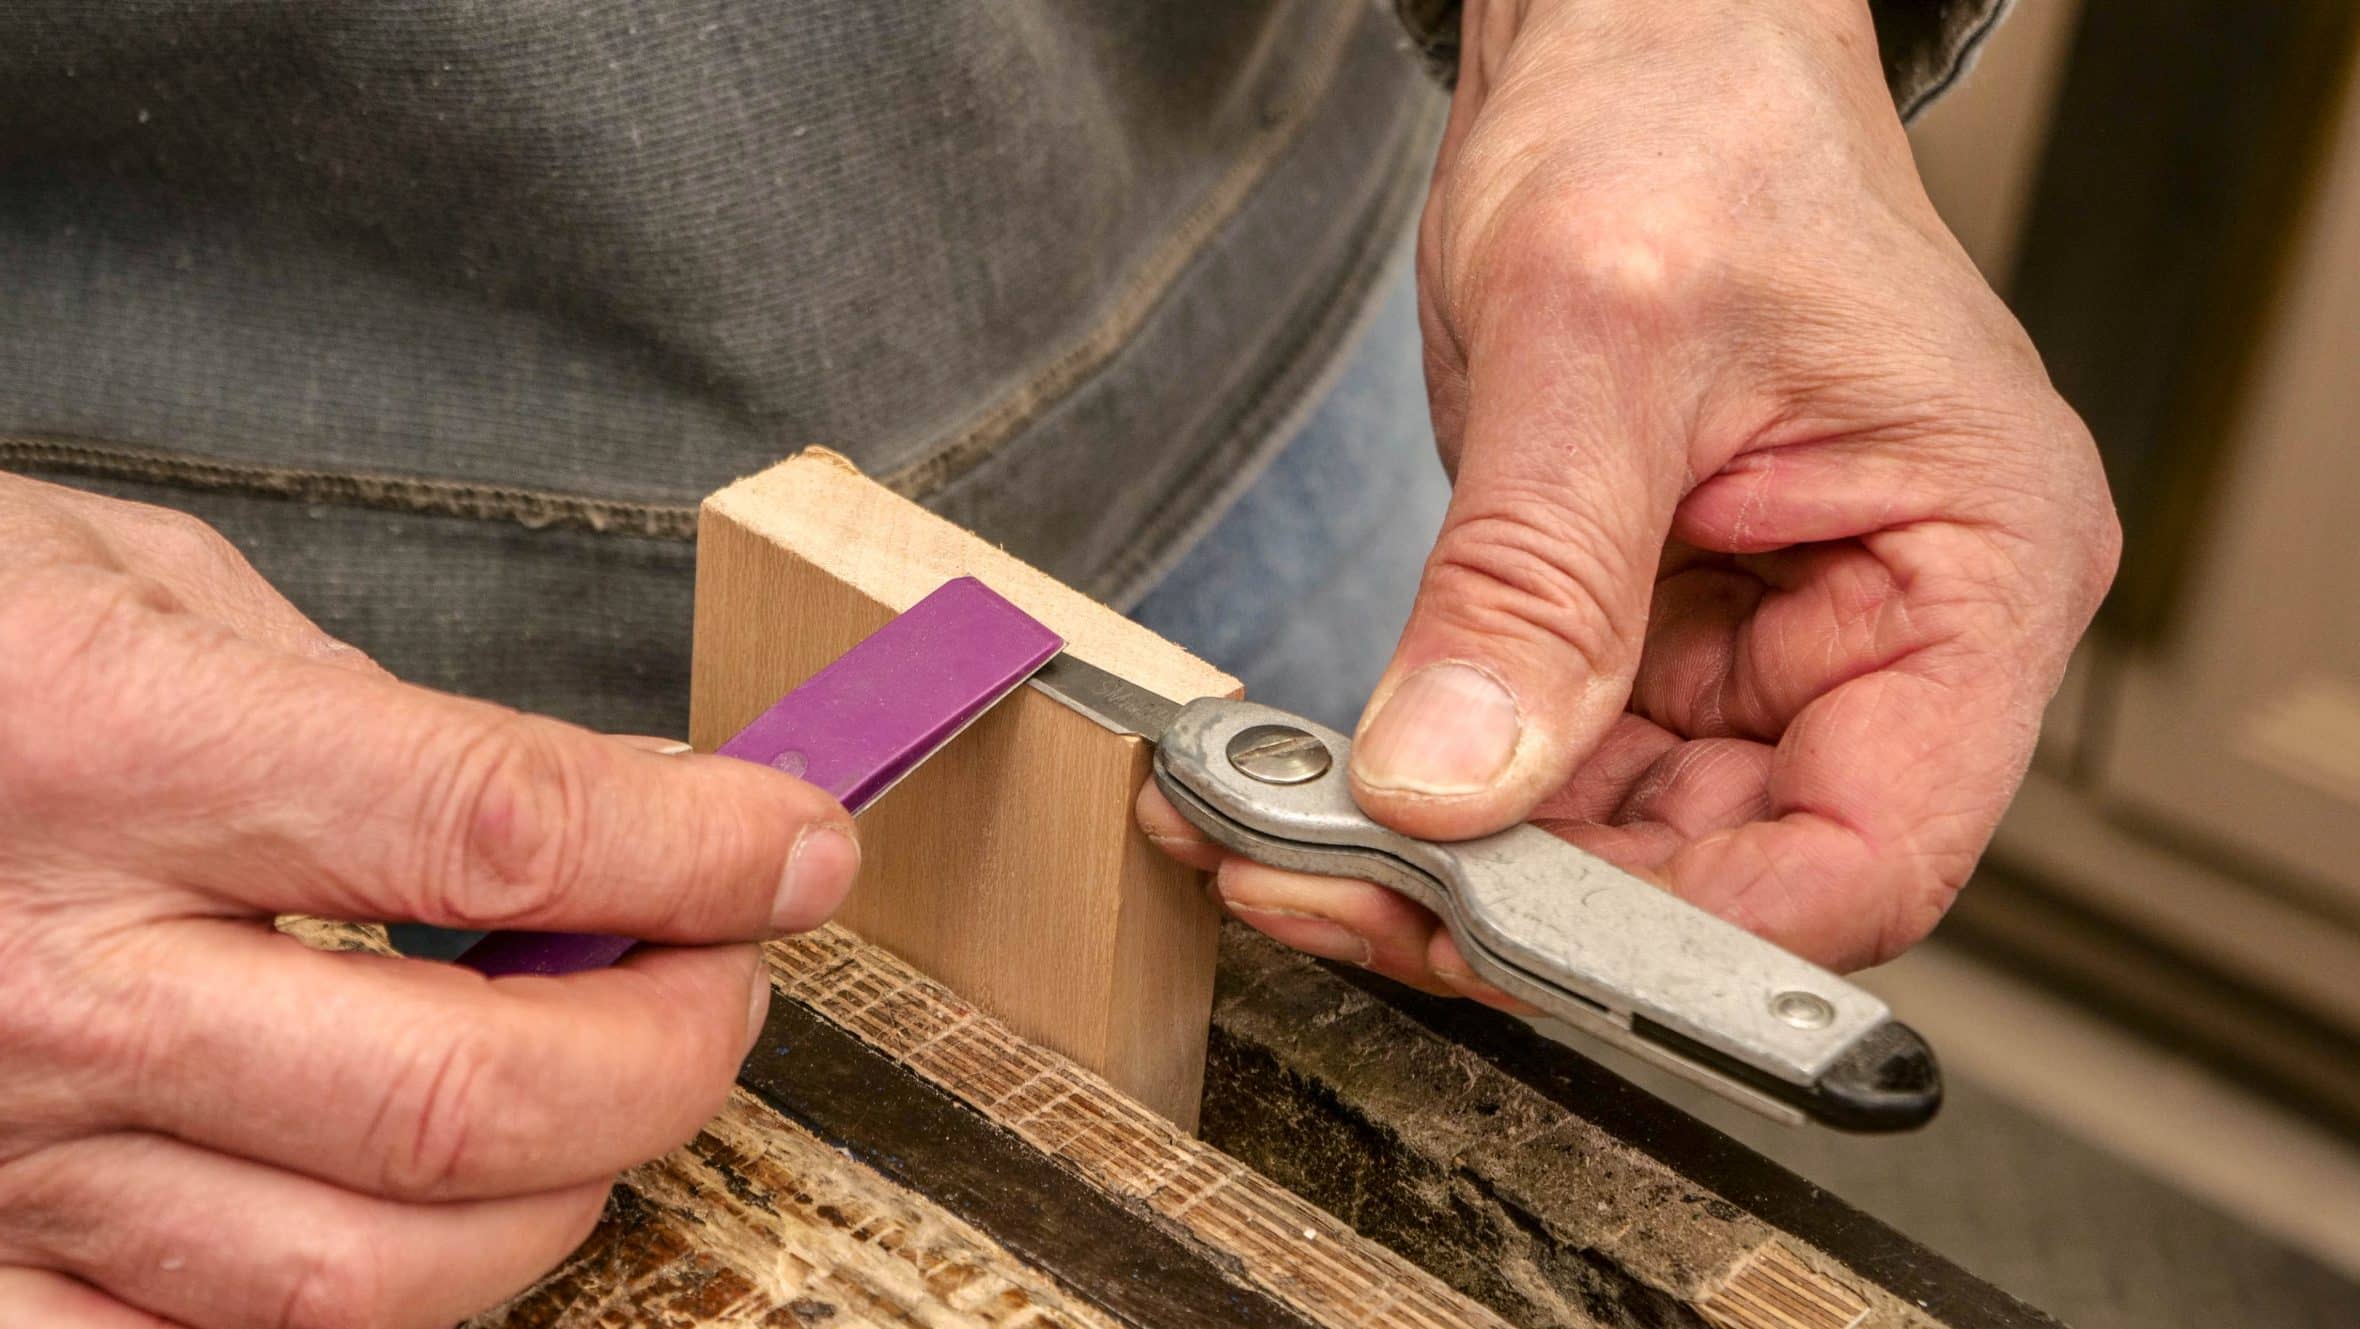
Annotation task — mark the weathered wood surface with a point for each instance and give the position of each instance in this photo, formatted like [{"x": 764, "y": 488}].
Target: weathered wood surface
[
  {"x": 1271, "y": 1237},
  {"x": 756, "y": 1222},
  {"x": 1533, "y": 1179},
  {"x": 1369, "y": 1158},
  {"x": 1008, "y": 866},
  {"x": 759, "y": 1222}
]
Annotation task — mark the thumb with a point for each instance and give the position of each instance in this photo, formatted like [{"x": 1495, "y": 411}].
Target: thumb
[{"x": 1521, "y": 646}]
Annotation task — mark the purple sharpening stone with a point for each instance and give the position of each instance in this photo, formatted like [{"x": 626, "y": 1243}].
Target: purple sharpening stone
[{"x": 854, "y": 728}]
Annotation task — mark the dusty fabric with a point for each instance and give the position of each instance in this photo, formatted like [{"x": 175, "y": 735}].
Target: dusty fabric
[
  {"x": 449, "y": 313},
  {"x": 1054, "y": 271}
]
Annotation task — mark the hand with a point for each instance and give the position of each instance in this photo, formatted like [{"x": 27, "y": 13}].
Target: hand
[
  {"x": 204, "y": 1121},
  {"x": 1769, "y": 538}
]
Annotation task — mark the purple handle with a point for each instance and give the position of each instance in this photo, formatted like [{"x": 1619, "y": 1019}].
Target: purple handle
[
  {"x": 854, "y": 728},
  {"x": 497, "y": 953}
]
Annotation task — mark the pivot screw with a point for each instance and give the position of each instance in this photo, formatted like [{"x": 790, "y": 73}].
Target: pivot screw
[
  {"x": 1803, "y": 1010},
  {"x": 1278, "y": 754}
]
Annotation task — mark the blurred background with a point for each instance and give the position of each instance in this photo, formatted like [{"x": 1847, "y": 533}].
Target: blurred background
[{"x": 2149, "y": 998}]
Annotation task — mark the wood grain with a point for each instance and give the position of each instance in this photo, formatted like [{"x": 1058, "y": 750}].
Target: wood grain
[
  {"x": 1008, "y": 866},
  {"x": 1298, "y": 1253},
  {"x": 757, "y": 1222},
  {"x": 1534, "y": 1180},
  {"x": 1386, "y": 1160},
  {"x": 1774, "y": 1289}
]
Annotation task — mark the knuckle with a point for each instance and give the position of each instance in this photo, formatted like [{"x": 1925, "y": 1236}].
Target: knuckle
[
  {"x": 181, "y": 539},
  {"x": 54, "y": 618},
  {"x": 2104, "y": 555},
  {"x": 37, "y": 1206},
  {"x": 77, "y": 1034},
  {"x": 333, "y": 1278},
  {"x": 63, "y": 1206},
  {"x": 1542, "y": 573},
  {"x": 1621, "y": 267},
  {"x": 2093, "y": 576},
  {"x": 429, "y": 1126},
  {"x": 69, "y": 643},
  {"x": 2087, "y": 529},
  {"x": 33, "y": 1009},
  {"x": 42, "y": 538},
  {"x": 507, "y": 806}
]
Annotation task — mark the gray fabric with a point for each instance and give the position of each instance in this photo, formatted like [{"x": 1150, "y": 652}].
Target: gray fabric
[
  {"x": 1302, "y": 588},
  {"x": 1927, "y": 44},
  {"x": 591, "y": 628},
  {"x": 447, "y": 314},
  {"x": 1058, "y": 270}
]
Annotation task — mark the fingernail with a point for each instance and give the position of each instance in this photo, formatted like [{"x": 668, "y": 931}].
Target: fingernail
[
  {"x": 1449, "y": 728},
  {"x": 759, "y": 1010},
  {"x": 1480, "y": 990},
  {"x": 820, "y": 870},
  {"x": 662, "y": 747},
  {"x": 1308, "y": 933}
]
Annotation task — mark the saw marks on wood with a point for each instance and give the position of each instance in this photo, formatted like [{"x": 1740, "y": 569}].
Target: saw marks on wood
[
  {"x": 757, "y": 1223},
  {"x": 1776, "y": 1290},
  {"x": 1292, "y": 1250},
  {"x": 1536, "y": 1182}
]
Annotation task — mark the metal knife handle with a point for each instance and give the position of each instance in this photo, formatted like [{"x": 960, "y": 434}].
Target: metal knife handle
[{"x": 1569, "y": 932}]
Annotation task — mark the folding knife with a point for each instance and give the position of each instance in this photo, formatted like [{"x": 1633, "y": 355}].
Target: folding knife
[
  {"x": 1582, "y": 940},
  {"x": 1577, "y": 937}
]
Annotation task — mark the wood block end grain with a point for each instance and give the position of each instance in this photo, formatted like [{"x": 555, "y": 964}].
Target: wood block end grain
[{"x": 892, "y": 552}]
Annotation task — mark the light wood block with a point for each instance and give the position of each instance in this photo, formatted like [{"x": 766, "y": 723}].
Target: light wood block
[{"x": 1008, "y": 867}]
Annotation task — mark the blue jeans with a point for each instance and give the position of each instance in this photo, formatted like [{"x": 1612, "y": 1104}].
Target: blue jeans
[{"x": 1301, "y": 589}]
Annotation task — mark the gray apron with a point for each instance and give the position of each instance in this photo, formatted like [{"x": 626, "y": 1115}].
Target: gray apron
[{"x": 448, "y": 313}]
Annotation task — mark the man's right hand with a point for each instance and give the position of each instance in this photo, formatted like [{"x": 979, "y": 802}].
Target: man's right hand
[{"x": 204, "y": 1121}]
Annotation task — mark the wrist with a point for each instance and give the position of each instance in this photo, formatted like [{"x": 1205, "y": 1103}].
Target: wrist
[{"x": 1838, "y": 31}]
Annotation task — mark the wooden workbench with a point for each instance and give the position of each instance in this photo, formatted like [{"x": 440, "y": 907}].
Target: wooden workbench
[{"x": 1370, "y": 1158}]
